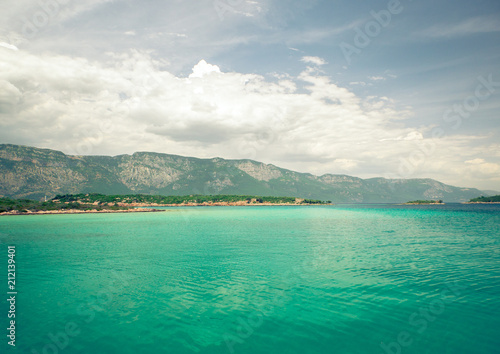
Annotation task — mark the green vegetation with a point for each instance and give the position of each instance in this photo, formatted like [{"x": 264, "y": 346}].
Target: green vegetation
[
  {"x": 96, "y": 201},
  {"x": 426, "y": 202},
  {"x": 25, "y": 205},
  {"x": 492, "y": 199},
  {"x": 32, "y": 173},
  {"x": 313, "y": 201},
  {"x": 174, "y": 199}
]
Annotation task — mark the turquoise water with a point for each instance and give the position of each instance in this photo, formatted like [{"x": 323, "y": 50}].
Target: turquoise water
[{"x": 320, "y": 279}]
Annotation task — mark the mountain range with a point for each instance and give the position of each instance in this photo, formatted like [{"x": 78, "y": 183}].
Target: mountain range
[{"x": 34, "y": 173}]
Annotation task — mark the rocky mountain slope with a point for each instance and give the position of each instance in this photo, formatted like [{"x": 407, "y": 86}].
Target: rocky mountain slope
[{"x": 28, "y": 172}]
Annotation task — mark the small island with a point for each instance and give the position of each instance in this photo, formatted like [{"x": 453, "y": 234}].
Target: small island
[
  {"x": 486, "y": 200},
  {"x": 425, "y": 202},
  {"x": 101, "y": 203}
]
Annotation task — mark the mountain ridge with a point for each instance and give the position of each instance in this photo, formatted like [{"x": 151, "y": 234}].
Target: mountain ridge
[{"x": 30, "y": 172}]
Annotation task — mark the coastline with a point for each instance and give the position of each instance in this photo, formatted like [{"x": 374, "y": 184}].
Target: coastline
[
  {"x": 481, "y": 203},
  {"x": 149, "y": 208},
  {"x": 77, "y": 211},
  {"x": 144, "y": 208},
  {"x": 240, "y": 203},
  {"x": 423, "y": 204}
]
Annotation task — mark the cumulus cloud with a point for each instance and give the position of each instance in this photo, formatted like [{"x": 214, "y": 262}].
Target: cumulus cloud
[
  {"x": 313, "y": 60},
  {"x": 203, "y": 68},
  {"x": 482, "y": 167},
  {"x": 482, "y": 170},
  {"x": 128, "y": 104},
  {"x": 10, "y": 97}
]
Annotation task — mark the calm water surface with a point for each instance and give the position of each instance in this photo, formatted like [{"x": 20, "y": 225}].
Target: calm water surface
[{"x": 325, "y": 279}]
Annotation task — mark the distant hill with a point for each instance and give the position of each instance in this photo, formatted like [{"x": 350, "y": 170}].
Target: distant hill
[
  {"x": 491, "y": 193},
  {"x": 29, "y": 172},
  {"x": 492, "y": 199}
]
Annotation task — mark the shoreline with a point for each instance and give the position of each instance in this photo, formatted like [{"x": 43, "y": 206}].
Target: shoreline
[
  {"x": 215, "y": 204},
  {"x": 423, "y": 204},
  {"x": 150, "y": 208},
  {"x": 143, "y": 208},
  {"x": 481, "y": 203},
  {"x": 77, "y": 211}
]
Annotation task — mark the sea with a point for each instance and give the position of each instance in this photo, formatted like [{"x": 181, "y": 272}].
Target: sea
[{"x": 376, "y": 278}]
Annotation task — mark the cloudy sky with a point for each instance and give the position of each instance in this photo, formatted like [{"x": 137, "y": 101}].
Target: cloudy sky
[{"x": 397, "y": 89}]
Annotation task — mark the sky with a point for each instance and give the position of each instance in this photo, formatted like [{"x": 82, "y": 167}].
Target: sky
[{"x": 394, "y": 89}]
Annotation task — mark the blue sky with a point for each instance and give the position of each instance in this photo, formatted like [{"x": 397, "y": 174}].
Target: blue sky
[{"x": 397, "y": 89}]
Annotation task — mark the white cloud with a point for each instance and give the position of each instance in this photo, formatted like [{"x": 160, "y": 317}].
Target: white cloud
[
  {"x": 464, "y": 28},
  {"x": 244, "y": 8},
  {"x": 129, "y": 104},
  {"x": 360, "y": 83},
  {"x": 182, "y": 35},
  {"x": 345, "y": 164},
  {"x": 483, "y": 169},
  {"x": 42, "y": 14},
  {"x": 475, "y": 161},
  {"x": 10, "y": 97},
  {"x": 313, "y": 60},
  {"x": 156, "y": 35},
  {"x": 376, "y": 78},
  {"x": 203, "y": 68},
  {"x": 8, "y": 46},
  {"x": 315, "y": 34},
  {"x": 408, "y": 137}
]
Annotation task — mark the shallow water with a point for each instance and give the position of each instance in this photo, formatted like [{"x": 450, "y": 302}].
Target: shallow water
[{"x": 317, "y": 279}]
